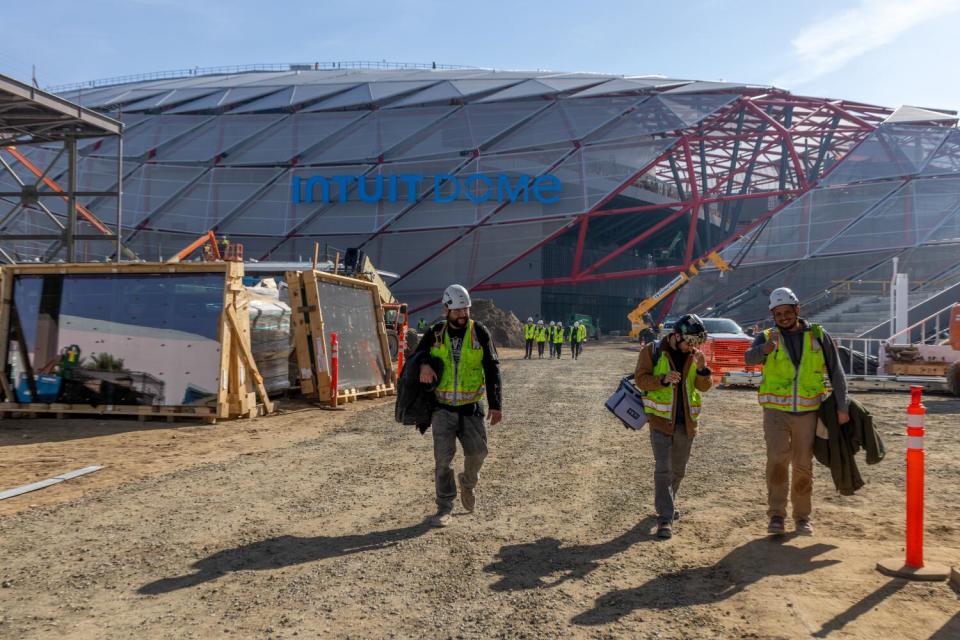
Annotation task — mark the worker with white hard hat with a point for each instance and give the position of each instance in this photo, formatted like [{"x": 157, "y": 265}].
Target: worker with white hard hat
[
  {"x": 573, "y": 337},
  {"x": 551, "y": 331},
  {"x": 541, "y": 337},
  {"x": 795, "y": 355},
  {"x": 558, "y": 340},
  {"x": 529, "y": 334},
  {"x": 469, "y": 371}
]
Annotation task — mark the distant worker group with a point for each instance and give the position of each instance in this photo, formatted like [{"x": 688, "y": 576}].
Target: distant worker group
[{"x": 553, "y": 335}]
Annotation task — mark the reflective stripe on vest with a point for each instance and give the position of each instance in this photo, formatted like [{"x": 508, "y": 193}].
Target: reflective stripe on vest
[
  {"x": 461, "y": 382},
  {"x": 528, "y": 331},
  {"x": 788, "y": 388}
]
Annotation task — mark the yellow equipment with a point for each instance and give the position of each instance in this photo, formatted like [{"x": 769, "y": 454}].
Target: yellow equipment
[{"x": 636, "y": 316}]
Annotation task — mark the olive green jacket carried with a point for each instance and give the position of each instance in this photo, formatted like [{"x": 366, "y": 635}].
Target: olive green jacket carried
[{"x": 646, "y": 381}]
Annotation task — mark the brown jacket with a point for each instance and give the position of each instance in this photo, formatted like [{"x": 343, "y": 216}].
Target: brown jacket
[{"x": 645, "y": 380}]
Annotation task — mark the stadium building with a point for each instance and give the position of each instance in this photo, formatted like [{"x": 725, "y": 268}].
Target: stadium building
[{"x": 552, "y": 193}]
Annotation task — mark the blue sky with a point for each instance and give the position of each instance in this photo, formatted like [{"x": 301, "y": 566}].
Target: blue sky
[{"x": 887, "y": 52}]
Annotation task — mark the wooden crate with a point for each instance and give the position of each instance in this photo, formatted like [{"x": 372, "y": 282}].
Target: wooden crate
[{"x": 238, "y": 381}]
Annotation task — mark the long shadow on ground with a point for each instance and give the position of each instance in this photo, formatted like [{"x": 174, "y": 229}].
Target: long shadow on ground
[
  {"x": 740, "y": 568},
  {"x": 283, "y": 551},
  {"x": 527, "y": 566}
]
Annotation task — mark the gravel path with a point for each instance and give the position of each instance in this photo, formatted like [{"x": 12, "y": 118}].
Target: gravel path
[{"x": 327, "y": 537}]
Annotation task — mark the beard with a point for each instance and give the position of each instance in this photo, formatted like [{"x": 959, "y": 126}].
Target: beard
[{"x": 458, "y": 322}]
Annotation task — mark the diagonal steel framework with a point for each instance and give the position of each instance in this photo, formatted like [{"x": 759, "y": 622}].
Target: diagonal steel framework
[{"x": 772, "y": 145}]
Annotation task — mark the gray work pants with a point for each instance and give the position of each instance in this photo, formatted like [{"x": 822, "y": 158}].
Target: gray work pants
[
  {"x": 448, "y": 427},
  {"x": 670, "y": 454}
]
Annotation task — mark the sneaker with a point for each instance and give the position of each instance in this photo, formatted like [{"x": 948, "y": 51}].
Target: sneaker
[
  {"x": 441, "y": 519},
  {"x": 803, "y": 527},
  {"x": 664, "y": 531},
  {"x": 676, "y": 515},
  {"x": 776, "y": 525},
  {"x": 468, "y": 498}
]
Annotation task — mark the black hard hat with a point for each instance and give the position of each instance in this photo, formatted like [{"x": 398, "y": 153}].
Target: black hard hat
[{"x": 690, "y": 326}]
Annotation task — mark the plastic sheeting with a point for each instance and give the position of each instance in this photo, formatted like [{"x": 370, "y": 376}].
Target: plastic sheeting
[{"x": 270, "y": 337}]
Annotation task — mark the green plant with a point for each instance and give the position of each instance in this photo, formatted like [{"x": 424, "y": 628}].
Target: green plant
[{"x": 103, "y": 362}]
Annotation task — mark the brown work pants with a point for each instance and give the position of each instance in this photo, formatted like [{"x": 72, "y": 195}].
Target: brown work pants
[{"x": 789, "y": 438}]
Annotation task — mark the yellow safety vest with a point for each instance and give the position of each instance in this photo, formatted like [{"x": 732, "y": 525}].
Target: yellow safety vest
[
  {"x": 581, "y": 333},
  {"x": 461, "y": 382},
  {"x": 660, "y": 401},
  {"x": 558, "y": 335},
  {"x": 528, "y": 331},
  {"x": 786, "y": 388},
  {"x": 541, "y": 334}
]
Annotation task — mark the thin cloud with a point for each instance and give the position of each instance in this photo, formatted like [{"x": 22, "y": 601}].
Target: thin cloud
[{"x": 832, "y": 42}]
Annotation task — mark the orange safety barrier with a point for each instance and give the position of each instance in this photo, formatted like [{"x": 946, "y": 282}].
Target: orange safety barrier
[{"x": 725, "y": 356}]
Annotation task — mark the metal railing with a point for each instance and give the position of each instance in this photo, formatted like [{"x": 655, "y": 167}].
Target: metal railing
[
  {"x": 860, "y": 356},
  {"x": 248, "y": 68},
  {"x": 930, "y": 330}
]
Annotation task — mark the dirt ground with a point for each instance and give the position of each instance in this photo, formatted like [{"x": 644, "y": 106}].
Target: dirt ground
[{"x": 312, "y": 524}]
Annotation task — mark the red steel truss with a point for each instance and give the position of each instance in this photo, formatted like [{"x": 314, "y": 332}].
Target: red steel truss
[{"x": 772, "y": 145}]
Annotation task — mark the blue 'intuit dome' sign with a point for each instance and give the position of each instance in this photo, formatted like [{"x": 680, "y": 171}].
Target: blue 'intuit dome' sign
[{"x": 476, "y": 187}]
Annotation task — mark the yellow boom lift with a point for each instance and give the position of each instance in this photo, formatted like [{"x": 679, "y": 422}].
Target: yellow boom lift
[{"x": 636, "y": 316}]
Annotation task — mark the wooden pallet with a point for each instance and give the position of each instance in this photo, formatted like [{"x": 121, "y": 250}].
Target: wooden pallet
[{"x": 378, "y": 391}]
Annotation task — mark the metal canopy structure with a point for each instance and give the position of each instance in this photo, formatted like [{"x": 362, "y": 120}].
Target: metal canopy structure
[{"x": 39, "y": 211}]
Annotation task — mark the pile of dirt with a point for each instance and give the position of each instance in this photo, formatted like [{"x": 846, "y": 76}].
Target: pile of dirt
[{"x": 506, "y": 328}]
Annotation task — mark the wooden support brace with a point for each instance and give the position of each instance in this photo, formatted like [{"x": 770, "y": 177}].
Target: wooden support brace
[{"x": 247, "y": 357}]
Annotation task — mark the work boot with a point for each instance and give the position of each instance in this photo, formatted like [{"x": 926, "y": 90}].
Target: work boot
[
  {"x": 468, "y": 498},
  {"x": 776, "y": 525},
  {"x": 803, "y": 527},
  {"x": 664, "y": 531},
  {"x": 441, "y": 519}
]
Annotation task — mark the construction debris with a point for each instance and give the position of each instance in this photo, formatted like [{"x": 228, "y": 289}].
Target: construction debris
[
  {"x": 505, "y": 328},
  {"x": 43, "y": 484}
]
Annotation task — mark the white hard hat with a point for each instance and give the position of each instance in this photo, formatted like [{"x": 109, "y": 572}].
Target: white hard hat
[
  {"x": 783, "y": 295},
  {"x": 456, "y": 297},
  {"x": 529, "y": 319},
  {"x": 540, "y": 322},
  {"x": 552, "y": 323},
  {"x": 559, "y": 324}
]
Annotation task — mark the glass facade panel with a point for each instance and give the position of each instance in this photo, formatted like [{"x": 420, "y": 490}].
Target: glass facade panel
[
  {"x": 466, "y": 130},
  {"x": 215, "y": 137},
  {"x": 893, "y": 150},
  {"x": 274, "y": 212},
  {"x": 149, "y": 135},
  {"x": 210, "y": 199},
  {"x": 375, "y": 135},
  {"x": 290, "y": 137},
  {"x": 564, "y": 122},
  {"x": 905, "y": 219}
]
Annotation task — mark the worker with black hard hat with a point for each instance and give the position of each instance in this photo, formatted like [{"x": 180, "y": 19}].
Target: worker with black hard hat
[{"x": 672, "y": 372}]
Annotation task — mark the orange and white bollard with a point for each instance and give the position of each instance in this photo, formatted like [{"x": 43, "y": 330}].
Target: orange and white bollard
[
  {"x": 334, "y": 368},
  {"x": 915, "y": 419},
  {"x": 913, "y": 566}
]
